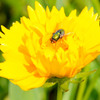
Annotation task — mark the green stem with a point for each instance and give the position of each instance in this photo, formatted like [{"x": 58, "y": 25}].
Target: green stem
[
  {"x": 81, "y": 89},
  {"x": 91, "y": 86},
  {"x": 59, "y": 93},
  {"x": 71, "y": 94},
  {"x": 82, "y": 86}
]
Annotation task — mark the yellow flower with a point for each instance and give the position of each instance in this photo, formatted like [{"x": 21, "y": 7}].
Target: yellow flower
[{"x": 30, "y": 55}]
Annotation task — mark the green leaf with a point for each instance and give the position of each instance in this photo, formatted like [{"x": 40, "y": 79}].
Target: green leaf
[
  {"x": 49, "y": 84},
  {"x": 84, "y": 74},
  {"x": 73, "y": 80},
  {"x": 15, "y": 93}
]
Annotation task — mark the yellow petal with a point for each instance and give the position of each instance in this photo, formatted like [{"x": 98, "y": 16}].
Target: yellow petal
[
  {"x": 48, "y": 12},
  {"x": 61, "y": 14},
  {"x": 32, "y": 14},
  {"x": 26, "y": 22},
  {"x": 83, "y": 12},
  {"x": 1, "y": 34},
  {"x": 4, "y": 29},
  {"x": 90, "y": 12},
  {"x": 39, "y": 29},
  {"x": 72, "y": 14},
  {"x": 55, "y": 14},
  {"x": 54, "y": 11},
  {"x": 50, "y": 25},
  {"x": 41, "y": 69},
  {"x": 10, "y": 70},
  {"x": 95, "y": 16},
  {"x": 30, "y": 82},
  {"x": 40, "y": 12}
]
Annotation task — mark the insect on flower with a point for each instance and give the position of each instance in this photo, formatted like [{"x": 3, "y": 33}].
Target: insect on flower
[{"x": 57, "y": 35}]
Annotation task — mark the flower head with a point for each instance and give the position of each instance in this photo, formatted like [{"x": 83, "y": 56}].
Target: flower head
[{"x": 48, "y": 44}]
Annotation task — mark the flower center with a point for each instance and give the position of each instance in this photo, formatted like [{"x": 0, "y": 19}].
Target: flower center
[
  {"x": 55, "y": 40},
  {"x": 58, "y": 39}
]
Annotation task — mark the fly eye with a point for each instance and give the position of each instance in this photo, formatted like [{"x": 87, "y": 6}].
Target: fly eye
[{"x": 60, "y": 31}]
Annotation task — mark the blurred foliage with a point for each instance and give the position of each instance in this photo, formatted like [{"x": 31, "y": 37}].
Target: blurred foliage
[
  {"x": 12, "y": 10},
  {"x": 15, "y": 93}
]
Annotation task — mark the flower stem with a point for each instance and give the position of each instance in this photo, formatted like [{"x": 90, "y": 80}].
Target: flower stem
[
  {"x": 93, "y": 82},
  {"x": 82, "y": 85},
  {"x": 59, "y": 93}
]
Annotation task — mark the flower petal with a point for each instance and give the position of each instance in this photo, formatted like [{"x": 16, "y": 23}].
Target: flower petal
[
  {"x": 40, "y": 12},
  {"x": 32, "y": 14},
  {"x": 30, "y": 82}
]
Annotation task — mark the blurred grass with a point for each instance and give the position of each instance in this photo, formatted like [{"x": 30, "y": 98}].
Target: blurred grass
[{"x": 12, "y": 10}]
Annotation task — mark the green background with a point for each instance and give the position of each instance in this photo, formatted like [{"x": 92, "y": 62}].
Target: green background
[{"x": 89, "y": 89}]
